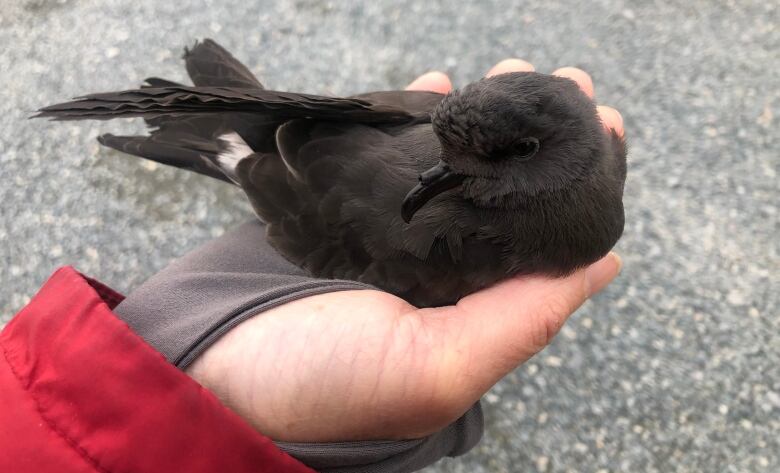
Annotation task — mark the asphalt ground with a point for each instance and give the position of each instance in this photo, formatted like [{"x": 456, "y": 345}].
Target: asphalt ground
[{"x": 674, "y": 368}]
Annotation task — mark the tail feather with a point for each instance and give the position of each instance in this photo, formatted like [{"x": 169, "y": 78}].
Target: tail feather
[{"x": 177, "y": 155}]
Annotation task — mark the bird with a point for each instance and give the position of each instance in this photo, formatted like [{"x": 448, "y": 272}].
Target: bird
[{"x": 425, "y": 195}]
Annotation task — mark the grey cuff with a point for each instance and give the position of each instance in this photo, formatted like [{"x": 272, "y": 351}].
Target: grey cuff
[{"x": 391, "y": 456}]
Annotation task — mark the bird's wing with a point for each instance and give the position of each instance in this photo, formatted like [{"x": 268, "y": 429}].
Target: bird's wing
[
  {"x": 209, "y": 64},
  {"x": 152, "y": 102},
  {"x": 413, "y": 101}
]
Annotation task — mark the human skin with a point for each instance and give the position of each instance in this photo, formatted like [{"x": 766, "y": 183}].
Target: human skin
[{"x": 361, "y": 365}]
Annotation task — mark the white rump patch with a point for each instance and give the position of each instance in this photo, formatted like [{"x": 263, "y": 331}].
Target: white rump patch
[{"x": 236, "y": 150}]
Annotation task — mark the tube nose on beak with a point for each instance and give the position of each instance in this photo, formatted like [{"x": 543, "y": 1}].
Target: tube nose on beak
[{"x": 433, "y": 182}]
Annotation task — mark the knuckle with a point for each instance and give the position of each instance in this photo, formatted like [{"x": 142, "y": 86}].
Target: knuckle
[{"x": 549, "y": 320}]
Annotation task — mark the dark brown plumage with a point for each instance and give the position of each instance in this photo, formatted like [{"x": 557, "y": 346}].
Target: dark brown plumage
[{"x": 510, "y": 175}]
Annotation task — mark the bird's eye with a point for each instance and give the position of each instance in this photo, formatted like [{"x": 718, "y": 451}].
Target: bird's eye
[{"x": 526, "y": 148}]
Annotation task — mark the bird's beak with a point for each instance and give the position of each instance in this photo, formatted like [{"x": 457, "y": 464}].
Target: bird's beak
[{"x": 433, "y": 182}]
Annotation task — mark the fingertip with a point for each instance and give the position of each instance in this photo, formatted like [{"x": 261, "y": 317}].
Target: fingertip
[
  {"x": 603, "y": 272},
  {"x": 434, "y": 81},
  {"x": 611, "y": 118},
  {"x": 510, "y": 65},
  {"x": 579, "y": 76}
]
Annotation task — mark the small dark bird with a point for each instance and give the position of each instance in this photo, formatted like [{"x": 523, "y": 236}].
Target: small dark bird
[{"x": 425, "y": 195}]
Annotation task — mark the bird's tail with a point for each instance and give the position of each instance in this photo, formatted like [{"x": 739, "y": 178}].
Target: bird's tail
[
  {"x": 187, "y": 123},
  {"x": 200, "y": 153}
]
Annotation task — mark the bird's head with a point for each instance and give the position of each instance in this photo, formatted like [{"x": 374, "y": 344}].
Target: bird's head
[{"x": 509, "y": 137}]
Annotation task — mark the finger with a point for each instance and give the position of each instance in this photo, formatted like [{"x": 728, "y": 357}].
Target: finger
[
  {"x": 489, "y": 333},
  {"x": 433, "y": 81},
  {"x": 579, "y": 76},
  {"x": 510, "y": 65},
  {"x": 530, "y": 310},
  {"x": 611, "y": 119}
]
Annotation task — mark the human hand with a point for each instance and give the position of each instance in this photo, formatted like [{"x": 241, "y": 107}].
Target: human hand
[{"x": 361, "y": 365}]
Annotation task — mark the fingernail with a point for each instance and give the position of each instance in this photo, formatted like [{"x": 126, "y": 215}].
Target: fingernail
[
  {"x": 618, "y": 119},
  {"x": 611, "y": 118},
  {"x": 602, "y": 272}
]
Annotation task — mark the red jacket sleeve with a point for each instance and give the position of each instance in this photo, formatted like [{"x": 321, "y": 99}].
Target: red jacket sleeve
[{"x": 81, "y": 392}]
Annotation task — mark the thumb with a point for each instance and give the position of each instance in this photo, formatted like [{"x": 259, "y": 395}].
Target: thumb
[{"x": 489, "y": 333}]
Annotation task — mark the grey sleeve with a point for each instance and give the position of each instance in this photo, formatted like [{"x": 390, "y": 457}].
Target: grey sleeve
[{"x": 187, "y": 306}]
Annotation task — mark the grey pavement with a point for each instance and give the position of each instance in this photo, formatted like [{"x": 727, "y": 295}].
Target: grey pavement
[{"x": 674, "y": 368}]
